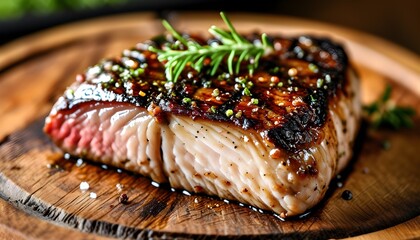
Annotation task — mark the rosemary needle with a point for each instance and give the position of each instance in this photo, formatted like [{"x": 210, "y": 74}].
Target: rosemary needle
[
  {"x": 385, "y": 113},
  {"x": 233, "y": 48}
]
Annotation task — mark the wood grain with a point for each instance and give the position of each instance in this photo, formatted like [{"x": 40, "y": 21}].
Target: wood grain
[
  {"x": 35, "y": 178},
  {"x": 18, "y": 225}
]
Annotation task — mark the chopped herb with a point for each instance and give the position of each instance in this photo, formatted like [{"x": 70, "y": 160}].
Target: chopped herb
[
  {"x": 246, "y": 92},
  {"x": 312, "y": 98},
  {"x": 254, "y": 101},
  {"x": 223, "y": 76},
  {"x": 213, "y": 109},
  {"x": 313, "y": 68},
  {"x": 249, "y": 84},
  {"x": 319, "y": 82},
  {"x": 215, "y": 92},
  {"x": 229, "y": 113},
  {"x": 240, "y": 80},
  {"x": 70, "y": 92},
  {"x": 186, "y": 100},
  {"x": 384, "y": 112},
  {"x": 138, "y": 72},
  {"x": 274, "y": 70},
  {"x": 206, "y": 84}
]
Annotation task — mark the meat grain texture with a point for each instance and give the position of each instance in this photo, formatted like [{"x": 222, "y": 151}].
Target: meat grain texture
[{"x": 273, "y": 139}]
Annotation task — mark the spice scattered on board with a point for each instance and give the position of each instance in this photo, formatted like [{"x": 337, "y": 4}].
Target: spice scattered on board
[
  {"x": 84, "y": 186},
  {"x": 123, "y": 198},
  {"x": 93, "y": 195}
]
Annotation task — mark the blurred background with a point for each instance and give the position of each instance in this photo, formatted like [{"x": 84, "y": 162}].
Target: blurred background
[{"x": 395, "y": 21}]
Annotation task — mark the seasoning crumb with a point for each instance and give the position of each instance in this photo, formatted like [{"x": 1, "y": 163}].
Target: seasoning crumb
[
  {"x": 313, "y": 68},
  {"x": 123, "y": 198},
  {"x": 214, "y": 205},
  {"x": 79, "y": 162},
  {"x": 347, "y": 195},
  {"x": 229, "y": 112},
  {"x": 275, "y": 153},
  {"x": 53, "y": 166},
  {"x": 119, "y": 187},
  {"x": 92, "y": 195},
  {"x": 84, "y": 186},
  {"x": 67, "y": 156},
  {"x": 80, "y": 78},
  {"x": 292, "y": 72}
]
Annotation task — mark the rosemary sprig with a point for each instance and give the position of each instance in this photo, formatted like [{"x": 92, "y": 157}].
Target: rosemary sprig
[
  {"x": 234, "y": 49},
  {"x": 384, "y": 112}
]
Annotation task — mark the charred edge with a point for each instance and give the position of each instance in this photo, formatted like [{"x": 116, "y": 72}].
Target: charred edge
[
  {"x": 297, "y": 129},
  {"x": 337, "y": 51},
  {"x": 318, "y": 104},
  {"x": 221, "y": 111},
  {"x": 296, "y": 50},
  {"x": 300, "y": 129}
]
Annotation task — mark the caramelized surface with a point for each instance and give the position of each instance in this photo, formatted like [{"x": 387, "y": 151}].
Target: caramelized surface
[{"x": 286, "y": 99}]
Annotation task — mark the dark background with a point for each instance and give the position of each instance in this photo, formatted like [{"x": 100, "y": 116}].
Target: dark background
[{"x": 395, "y": 21}]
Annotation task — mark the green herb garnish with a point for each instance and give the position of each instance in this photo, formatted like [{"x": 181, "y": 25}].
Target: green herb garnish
[
  {"x": 186, "y": 100},
  {"x": 233, "y": 48},
  {"x": 384, "y": 112},
  {"x": 229, "y": 112}
]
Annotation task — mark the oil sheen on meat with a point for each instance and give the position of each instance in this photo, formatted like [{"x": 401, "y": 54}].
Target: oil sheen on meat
[{"x": 273, "y": 139}]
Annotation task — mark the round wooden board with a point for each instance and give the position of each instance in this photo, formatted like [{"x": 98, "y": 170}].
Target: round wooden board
[{"x": 34, "y": 176}]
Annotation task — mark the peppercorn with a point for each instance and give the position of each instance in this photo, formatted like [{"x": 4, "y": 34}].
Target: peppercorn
[{"x": 123, "y": 198}]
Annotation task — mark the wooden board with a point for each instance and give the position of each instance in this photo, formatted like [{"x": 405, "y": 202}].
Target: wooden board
[{"x": 36, "y": 178}]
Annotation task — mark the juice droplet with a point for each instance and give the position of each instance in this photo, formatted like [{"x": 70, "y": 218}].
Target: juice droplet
[{"x": 347, "y": 195}]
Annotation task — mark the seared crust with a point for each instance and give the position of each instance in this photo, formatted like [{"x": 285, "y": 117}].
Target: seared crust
[
  {"x": 286, "y": 99},
  {"x": 273, "y": 140}
]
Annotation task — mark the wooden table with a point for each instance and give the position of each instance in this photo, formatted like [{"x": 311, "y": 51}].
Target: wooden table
[{"x": 35, "y": 70}]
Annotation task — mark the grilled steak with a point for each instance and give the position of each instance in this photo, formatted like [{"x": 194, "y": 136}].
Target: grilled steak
[{"x": 273, "y": 139}]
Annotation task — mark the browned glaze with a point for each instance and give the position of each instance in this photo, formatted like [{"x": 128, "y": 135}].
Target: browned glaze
[{"x": 286, "y": 98}]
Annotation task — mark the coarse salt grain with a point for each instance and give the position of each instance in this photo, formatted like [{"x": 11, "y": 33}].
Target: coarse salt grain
[
  {"x": 84, "y": 186},
  {"x": 79, "y": 162},
  {"x": 119, "y": 187},
  {"x": 92, "y": 195}
]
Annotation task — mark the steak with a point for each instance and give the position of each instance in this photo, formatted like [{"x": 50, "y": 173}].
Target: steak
[{"x": 273, "y": 139}]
